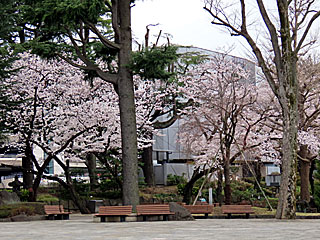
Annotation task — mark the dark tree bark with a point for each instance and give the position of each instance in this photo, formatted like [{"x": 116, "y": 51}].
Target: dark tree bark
[
  {"x": 187, "y": 192},
  {"x": 127, "y": 105},
  {"x": 27, "y": 170},
  {"x": 91, "y": 166},
  {"x": 257, "y": 169},
  {"x": 147, "y": 166},
  {"x": 305, "y": 165},
  {"x": 311, "y": 179},
  {"x": 39, "y": 173},
  {"x": 227, "y": 182},
  {"x": 220, "y": 187}
]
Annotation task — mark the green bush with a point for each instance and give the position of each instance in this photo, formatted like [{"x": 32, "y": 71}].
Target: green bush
[
  {"x": 167, "y": 197},
  {"x": 24, "y": 195},
  {"x": 108, "y": 194},
  {"x": 173, "y": 180},
  {"x": 180, "y": 188},
  {"x": 4, "y": 213},
  {"x": 243, "y": 191}
]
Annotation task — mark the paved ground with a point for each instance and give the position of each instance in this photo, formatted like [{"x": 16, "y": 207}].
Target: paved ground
[{"x": 83, "y": 227}]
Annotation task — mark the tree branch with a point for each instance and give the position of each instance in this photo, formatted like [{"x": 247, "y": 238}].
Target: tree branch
[
  {"x": 104, "y": 40},
  {"x": 314, "y": 17}
]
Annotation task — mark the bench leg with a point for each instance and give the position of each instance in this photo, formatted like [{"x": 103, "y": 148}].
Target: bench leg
[
  {"x": 206, "y": 215},
  {"x": 165, "y": 217},
  {"x": 103, "y": 219},
  {"x": 50, "y": 217},
  {"x": 122, "y": 218},
  {"x": 247, "y": 215},
  {"x": 59, "y": 217},
  {"x": 144, "y": 218},
  {"x": 229, "y": 216},
  {"x": 66, "y": 217}
]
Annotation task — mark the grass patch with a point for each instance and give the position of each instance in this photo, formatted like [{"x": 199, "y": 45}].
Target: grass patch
[
  {"x": 263, "y": 211},
  {"x": 257, "y": 211},
  {"x": 47, "y": 198}
]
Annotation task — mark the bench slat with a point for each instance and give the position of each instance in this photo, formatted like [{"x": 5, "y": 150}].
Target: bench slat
[
  {"x": 114, "y": 210},
  {"x": 237, "y": 209},
  {"x": 56, "y": 212},
  {"x": 54, "y": 209},
  {"x": 154, "y": 210},
  {"x": 199, "y": 209}
]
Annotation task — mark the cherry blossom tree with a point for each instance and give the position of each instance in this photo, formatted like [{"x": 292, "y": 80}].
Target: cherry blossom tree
[
  {"x": 257, "y": 126},
  {"x": 60, "y": 112},
  {"x": 84, "y": 32},
  {"x": 222, "y": 121},
  {"x": 69, "y": 118}
]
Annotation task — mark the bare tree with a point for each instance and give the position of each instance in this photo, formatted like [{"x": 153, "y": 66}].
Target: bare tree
[{"x": 286, "y": 44}]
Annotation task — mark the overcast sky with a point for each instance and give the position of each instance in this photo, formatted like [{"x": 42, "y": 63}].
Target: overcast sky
[
  {"x": 190, "y": 25},
  {"x": 187, "y": 22}
]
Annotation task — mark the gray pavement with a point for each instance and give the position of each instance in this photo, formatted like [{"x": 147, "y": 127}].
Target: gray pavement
[{"x": 83, "y": 227}]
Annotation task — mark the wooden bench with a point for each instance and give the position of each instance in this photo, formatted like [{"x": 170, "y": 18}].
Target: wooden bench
[
  {"x": 56, "y": 212},
  {"x": 154, "y": 210},
  {"x": 199, "y": 209},
  {"x": 114, "y": 211},
  {"x": 237, "y": 209}
]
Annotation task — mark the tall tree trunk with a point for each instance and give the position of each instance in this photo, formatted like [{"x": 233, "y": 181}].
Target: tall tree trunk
[
  {"x": 36, "y": 185},
  {"x": 127, "y": 108},
  {"x": 220, "y": 187},
  {"x": 257, "y": 169},
  {"x": 289, "y": 102},
  {"x": 147, "y": 167},
  {"x": 39, "y": 175},
  {"x": 27, "y": 169},
  {"x": 227, "y": 182},
  {"x": 288, "y": 98},
  {"x": 287, "y": 200},
  {"x": 312, "y": 169},
  {"x": 305, "y": 165},
  {"x": 91, "y": 166}
]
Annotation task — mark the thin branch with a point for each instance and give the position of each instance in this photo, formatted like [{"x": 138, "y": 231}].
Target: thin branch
[
  {"x": 106, "y": 76},
  {"x": 104, "y": 40},
  {"x": 115, "y": 19},
  {"x": 314, "y": 17}
]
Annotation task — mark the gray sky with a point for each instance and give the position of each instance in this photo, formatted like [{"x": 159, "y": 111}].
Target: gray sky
[
  {"x": 190, "y": 25},
  {"x": 187, "y": 22}
]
